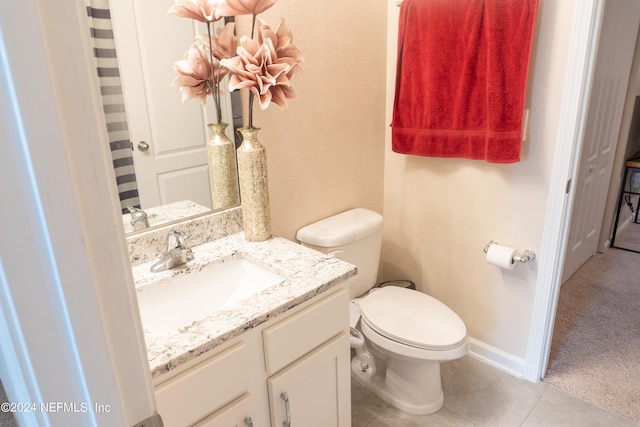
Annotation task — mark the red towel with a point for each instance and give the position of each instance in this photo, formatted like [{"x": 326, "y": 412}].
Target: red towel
[{"x": 461, "y": 78}]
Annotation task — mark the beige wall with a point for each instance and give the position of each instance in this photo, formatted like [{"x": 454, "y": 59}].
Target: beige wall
[
  {"x": 326, "y": 151},
  {"x": 440, "y": 213}
]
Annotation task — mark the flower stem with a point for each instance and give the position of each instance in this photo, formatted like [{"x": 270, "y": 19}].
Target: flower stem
[
  {"x": 253, "y": 29},
  {"x": 250, "y": 109},
  {"x": 253, "y": 25},
  {"x": 215, "y": 92}
]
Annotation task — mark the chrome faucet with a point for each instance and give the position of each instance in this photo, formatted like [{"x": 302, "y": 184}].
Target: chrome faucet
[
  {"x": 177, "y": 253},
  {"x": 139, "y": 219}
]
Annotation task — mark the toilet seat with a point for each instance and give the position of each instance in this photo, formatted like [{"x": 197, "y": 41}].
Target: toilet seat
[{"x": 413, "y": 318}]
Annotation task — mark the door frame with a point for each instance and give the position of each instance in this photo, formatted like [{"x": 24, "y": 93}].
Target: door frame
[
  {"x": 582, "y": 55},
  {"x": 80, "y": 339}
]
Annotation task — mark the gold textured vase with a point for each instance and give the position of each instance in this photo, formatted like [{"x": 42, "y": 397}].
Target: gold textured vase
[
  {"x": 254, "y": 187},
  {"x": 223, "y": 173}
]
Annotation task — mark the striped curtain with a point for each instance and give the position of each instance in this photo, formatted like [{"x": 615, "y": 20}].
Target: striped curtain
[{"x": 113, "y": 102}]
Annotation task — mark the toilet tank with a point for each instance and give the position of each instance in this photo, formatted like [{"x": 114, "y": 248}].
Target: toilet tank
[{"x": 356, "y": 237}]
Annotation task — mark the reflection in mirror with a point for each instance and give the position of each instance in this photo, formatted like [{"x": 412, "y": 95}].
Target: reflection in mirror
[
  {"x": 138, "y": 220},
  {"x": 626, "y": 227},
  {"x": 158, "y": 144}
]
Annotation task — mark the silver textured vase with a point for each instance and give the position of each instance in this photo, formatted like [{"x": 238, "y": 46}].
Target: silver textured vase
[
  {"x": 223, "y": 173},
  {"x": 254, "y": 187}
]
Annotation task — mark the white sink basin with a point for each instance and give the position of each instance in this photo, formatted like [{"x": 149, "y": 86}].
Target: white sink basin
[{"x": 193, "y": 297}]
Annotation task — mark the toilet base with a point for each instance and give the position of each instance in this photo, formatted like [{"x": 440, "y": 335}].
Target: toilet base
[{"x": 413, "y": 386}]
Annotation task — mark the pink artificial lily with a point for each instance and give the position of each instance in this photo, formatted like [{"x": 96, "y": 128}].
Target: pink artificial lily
[
  {"x": 200, "y": 10},
  {"x": 194, "y": 74},
  {"x": 283, "y": 41},
  {"x": 264, "y": 67},
  {"x": 223, "y": 45},
  {"x": 243, "y": 7},
  {"x": 192, "y": 80},
  {"x": 255, "y": 68}
]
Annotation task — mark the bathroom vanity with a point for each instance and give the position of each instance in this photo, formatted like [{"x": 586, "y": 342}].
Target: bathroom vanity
[{"x": 272, "y": 358}]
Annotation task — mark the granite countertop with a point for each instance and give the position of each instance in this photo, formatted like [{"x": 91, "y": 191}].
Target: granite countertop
[
  {"x": 306, "y": 274},
  {"x": 167, "y": 213}
]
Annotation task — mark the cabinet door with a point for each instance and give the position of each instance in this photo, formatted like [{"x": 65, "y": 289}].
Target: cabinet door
[{"x": 315, "y": 391}]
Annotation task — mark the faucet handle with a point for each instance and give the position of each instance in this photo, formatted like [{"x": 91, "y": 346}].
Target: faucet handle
[
  {"x": 176, "y": 239},
  {"x": 177, "y": 253}
]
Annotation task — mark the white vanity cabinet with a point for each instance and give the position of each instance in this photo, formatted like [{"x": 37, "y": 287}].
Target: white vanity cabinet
[{"x": 301, "y": 355}]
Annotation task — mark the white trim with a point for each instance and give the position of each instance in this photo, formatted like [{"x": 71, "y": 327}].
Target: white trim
[
  {"x": 35, "y": 311},
  {"x": 66, "y": 273},
  {"x": 588, "y": 16},
  {"x": 497, "y": 358}
]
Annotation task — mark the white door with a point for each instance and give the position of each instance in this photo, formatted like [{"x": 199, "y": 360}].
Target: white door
[
  {"x": 314, "y": 391},
  {"x": 149, "y": 42},
  {"x": 610, "y": 82}
]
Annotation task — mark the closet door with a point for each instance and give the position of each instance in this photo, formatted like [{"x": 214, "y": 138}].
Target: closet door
[{"x": 606, "y": 103}]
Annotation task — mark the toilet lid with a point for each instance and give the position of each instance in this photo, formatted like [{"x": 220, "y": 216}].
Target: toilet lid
[{"x": 412, "y": 318}]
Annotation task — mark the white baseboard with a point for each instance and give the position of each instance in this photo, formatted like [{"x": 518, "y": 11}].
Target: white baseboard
[{"x": 497, "y": 358}]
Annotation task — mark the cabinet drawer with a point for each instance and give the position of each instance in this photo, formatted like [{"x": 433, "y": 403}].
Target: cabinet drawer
[
  {"x": 236, "y": 413},
  {"x": 297, "y": 335},
  {"x": 189, "y": 397}
]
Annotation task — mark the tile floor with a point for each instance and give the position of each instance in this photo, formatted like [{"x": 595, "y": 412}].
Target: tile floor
[{"x": 478, "y": 395}]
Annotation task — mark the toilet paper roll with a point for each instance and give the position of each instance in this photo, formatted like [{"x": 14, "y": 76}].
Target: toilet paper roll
[{"x": 501, "y": 256}]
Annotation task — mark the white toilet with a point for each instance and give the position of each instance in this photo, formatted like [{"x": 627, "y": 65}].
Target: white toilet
[{"x": 407, "y": 334}]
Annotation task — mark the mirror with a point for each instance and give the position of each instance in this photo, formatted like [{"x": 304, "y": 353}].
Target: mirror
[{"x": 158, "y": 143}]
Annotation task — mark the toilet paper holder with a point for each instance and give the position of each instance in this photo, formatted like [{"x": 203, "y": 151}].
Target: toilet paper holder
[{"x": 526, "y": 256}]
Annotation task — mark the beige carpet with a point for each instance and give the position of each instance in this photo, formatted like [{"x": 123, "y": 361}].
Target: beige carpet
[{"x": 595, "y": 352}]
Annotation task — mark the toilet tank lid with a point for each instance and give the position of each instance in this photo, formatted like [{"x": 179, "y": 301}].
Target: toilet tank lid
[{"x": 340, "y": 229}]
